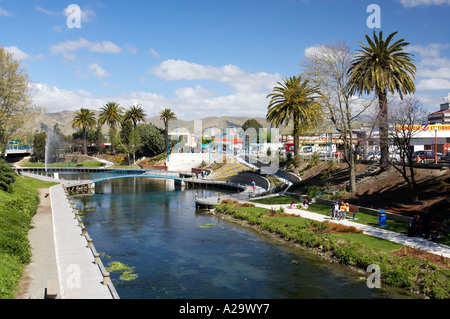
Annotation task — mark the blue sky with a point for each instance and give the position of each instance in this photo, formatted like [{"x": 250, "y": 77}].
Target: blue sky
[{"x": 204, "y": 57}]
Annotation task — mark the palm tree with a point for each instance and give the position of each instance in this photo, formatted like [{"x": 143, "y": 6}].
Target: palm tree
[
  {"x": 383, "y": 68},
  {"x": 111, "y": 114},
  {"x": 294, "y": 99},
  {"x": 166, "y": 115},
  {"x": 135, "y": 114},
  {"x": 84, "y": 118}
]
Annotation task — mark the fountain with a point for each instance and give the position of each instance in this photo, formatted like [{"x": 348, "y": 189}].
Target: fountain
[{"x": 51, "y": 146}]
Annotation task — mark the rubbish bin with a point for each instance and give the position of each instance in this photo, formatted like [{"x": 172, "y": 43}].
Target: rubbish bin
[{"x": 382, "y": 218}]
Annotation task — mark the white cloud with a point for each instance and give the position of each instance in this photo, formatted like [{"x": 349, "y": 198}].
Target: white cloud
[
  {"x": 98, "y": 71},
  {"x": 247, "y": 97},
  {"x": 47, "y": 12},
  {"x": 433, "y": 69},
  {"x": 5, "y": 13},
  {"x": 68, "y": 48},
  {"x": 443, "y": 73},
  {"x": 153, "y": 53},
  {"x": 232, "y": 75},
  {"x": 19, "y": 55},
  {"x": 54, "y": 99},
  {"x": 432, "y": 50},
  {"x": 433, "y": 84},
  {"x": 87, "y": 15},
  {"x": 417, "y": 3}
]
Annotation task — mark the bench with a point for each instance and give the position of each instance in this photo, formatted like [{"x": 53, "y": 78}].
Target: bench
[
  {"x": 79, "y": 165},
  {"x": 51, "y": 292},
  {"x": 435, "y": 230},
  {"x": 353, "y": 210}
]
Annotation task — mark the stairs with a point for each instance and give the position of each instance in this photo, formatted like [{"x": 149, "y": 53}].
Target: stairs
[
  {"x": 372, "y": 170},
  {"x": 227, "y": 170}
]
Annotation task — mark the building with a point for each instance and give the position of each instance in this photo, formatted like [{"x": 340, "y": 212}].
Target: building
[{"x": 442, "y": 116}]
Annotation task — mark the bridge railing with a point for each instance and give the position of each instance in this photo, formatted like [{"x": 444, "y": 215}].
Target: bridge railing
[{"x": 133, "y": 172}]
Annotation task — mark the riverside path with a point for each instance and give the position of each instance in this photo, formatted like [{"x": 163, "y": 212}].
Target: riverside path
[{"x": 79, "y": 276}]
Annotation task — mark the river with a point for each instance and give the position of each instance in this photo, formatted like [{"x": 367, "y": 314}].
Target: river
[{"x": 176, "y": 252}]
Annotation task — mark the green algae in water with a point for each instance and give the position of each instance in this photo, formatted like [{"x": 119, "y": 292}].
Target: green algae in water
[
  {"x": 126, "y": 271},
  {"x": 209, "y": 225}
]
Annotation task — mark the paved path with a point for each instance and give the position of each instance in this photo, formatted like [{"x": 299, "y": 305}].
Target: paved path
[
  {"x": 416, "y": 242},
  {"x": 79, "y": 277},
  {"x": 60, "y": 253}
]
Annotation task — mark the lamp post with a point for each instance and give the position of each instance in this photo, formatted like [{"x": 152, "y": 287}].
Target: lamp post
[{"x": 435, "y": 144}]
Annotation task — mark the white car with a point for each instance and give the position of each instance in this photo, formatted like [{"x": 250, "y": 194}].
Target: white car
[{"x": 395, "y": 157}]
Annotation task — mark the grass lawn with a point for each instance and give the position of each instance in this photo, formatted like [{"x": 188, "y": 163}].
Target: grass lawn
[
  {"x": 16, "y": 211},
  {"x": 361, "y": 218},
  {"x": 276, "y": 200},
  {"x": 365, "y": 240}
]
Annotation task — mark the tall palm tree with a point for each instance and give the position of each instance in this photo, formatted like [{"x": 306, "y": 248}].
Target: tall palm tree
[
  {"x": 111, "y": 114},
  {"x": 135, "y": 114},
  {"x": 84, "y": 118},
  {"x": 294, "y": 99},
  {"x": 382, "y": 67},
  {"x": 166, "y": 115}
]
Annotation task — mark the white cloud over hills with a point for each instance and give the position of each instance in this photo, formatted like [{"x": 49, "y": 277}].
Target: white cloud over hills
[{"x": 188, "y": 101}]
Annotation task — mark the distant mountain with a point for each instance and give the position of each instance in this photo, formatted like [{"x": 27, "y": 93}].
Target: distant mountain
[{"x": 64, "y": 121}]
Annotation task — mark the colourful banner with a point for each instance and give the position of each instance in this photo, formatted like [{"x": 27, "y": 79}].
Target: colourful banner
[{"x": 423, "y": 127}]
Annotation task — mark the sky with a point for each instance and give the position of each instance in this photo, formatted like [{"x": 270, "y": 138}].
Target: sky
[{"x": 204, "y": 58}]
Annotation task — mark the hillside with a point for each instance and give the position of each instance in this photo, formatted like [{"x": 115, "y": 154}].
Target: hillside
[{"x": 64, "y": 120}]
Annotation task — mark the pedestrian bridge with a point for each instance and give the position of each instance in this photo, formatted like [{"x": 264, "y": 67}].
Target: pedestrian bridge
[{"x": 126, "y": 173}]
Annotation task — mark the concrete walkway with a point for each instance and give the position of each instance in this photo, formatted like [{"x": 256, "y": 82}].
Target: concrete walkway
[
  {"x": 60, "y": 253},
  {"x": 79, "y": 277},
  {"x": 415, "y": 242}
]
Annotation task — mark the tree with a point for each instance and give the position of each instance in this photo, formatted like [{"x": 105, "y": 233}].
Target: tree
[
  {"x": 328, "y": 67},
  {"x": 166, "y": 115},
  {"x": 403, "y": 117},
  {"x": 39, "y": 141},
  {"x": 84, "y": 118},
  {"x": 16, "y": 109},
  {"x": 294, "y": 99},
  {"x": 382, "y": 68},
  {"x": 250, "y": 124},
  {"x": 152, "y": 139},
  {"x": 135, "y": 114},
  {"x": 112, "y": 114}
]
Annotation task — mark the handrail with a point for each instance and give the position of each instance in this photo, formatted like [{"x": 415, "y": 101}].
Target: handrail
[{"x": 134, "y": 173}]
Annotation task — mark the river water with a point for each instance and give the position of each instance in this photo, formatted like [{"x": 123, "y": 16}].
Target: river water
[{"x": 178, "y": 253}]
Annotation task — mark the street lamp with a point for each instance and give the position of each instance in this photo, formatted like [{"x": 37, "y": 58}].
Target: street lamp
[{"x": 435, "y": 144}]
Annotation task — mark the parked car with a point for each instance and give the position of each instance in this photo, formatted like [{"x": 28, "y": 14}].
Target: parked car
[
  {"x": 372, "y": 154},
  {"x": 395, "y": 157},
  {"x": 424, "y": 156},
  {"x": 445, "y": 157}
]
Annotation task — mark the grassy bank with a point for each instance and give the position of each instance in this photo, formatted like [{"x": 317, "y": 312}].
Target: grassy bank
[
  {"x": 362, "y": 218},
  {"x": 351, "y": 248},
  {"x": 16, "y": 211}
]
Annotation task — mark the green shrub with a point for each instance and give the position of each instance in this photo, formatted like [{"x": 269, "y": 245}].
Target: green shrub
[{"x": 7, "y": 176}]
